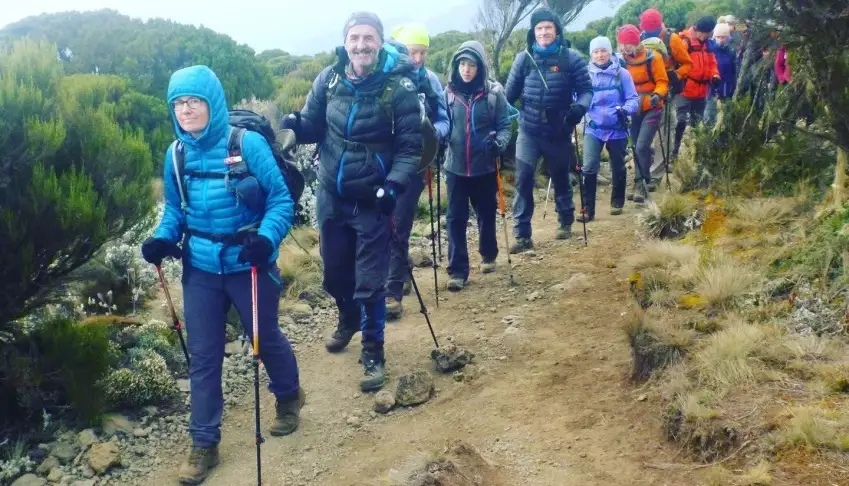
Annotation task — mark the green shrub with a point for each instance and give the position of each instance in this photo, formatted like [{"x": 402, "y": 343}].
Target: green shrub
[
  {"x": 58, "y": 365},
  {"x": 146, "y": 381}
]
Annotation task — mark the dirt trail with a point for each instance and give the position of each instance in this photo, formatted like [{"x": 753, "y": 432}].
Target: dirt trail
[{"x": 550, "y": 404}]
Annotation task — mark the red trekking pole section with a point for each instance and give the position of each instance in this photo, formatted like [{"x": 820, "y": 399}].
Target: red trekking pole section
[
  {"x": 255, "y": 316},
  {"x": 174, "y": 319}
]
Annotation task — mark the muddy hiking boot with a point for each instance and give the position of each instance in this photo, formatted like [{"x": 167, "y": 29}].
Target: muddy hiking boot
[
  {"x": 456, "y": 283},
  {"x": 346, "y": 328},
  {"x": 615, "y": 211},
  {"x": 563, "y": 233},
  {"x": 393, "y": 309},
  {"x": 197, "y": 466},
  {"x": 488, "y": 267},
  {"x": 521, "y": 244},
  {"x": 641, "y": 193},
  {"x": 288, "y": 414},
  {"x": 373, "y": 364}
]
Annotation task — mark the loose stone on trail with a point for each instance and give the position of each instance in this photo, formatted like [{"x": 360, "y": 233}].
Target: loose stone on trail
[{"x": 450, "y": 357}]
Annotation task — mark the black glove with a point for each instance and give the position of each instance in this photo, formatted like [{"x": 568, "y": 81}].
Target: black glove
[
  {"x": 574, "y": 115},
  {"x": 292, "y": 121},
  {"x": 622, "y": 115},
  {"x": 674, "y": 82},
  {"x": 154, "y": 250},
  {"x": 256, "y": 250},
  {"x": 714, "y": 82},
  {"x": 387, "y": 197},
  {"x": 495, "y": 145},
  {"x": 654, "y": 100}
]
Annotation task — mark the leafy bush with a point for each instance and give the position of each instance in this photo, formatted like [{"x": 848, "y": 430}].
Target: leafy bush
[
  {"x": 56, "y": 366},
  {"x": 80, "y": 180},
  {"x": 146, "y": 381}
]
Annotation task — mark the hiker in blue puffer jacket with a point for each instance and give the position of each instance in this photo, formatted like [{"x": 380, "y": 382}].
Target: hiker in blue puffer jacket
[
  {"x": 553, "y": 83},
  {"x": 615, "y": 98},
  {"x": 364, "y": 114},
  {"x": 413, "y": 40},
  {"x": 226, "y": 226}
]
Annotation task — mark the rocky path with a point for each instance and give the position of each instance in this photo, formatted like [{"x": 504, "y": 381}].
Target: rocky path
[{"x": 546, "y": 401}]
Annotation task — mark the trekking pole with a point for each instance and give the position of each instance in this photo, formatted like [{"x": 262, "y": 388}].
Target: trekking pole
[
  {"x": 174, "y": 319},
  {"x": 665, "y": 160},
  {"x": 432, "y": 236},
  {"x": 636, "y": 160},
  {"x": 439, "y": 210},
  {"x": 502, "y": 207},
  {"x": 259, "y": 439},
  {"x": 395, "y": 239},
  {"x": 578, "y": 165},
  {"x": 547, "y": 192}
]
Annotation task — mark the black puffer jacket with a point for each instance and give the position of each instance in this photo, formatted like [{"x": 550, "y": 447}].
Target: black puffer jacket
[
  {"x": 474, "y": 115},
  {"x": 548, "y": 85},
  {"x": 365, "y": 139}
]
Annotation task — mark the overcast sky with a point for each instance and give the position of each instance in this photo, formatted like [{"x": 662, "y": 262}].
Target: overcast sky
[{"x": 297, "y": 26}]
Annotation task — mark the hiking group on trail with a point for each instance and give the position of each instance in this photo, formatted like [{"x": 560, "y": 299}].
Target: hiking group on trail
[{"x": 383, "y": 126}]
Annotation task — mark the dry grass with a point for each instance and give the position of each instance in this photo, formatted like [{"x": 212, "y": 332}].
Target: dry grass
[
  {"x": 723, "y": 280},
  {"x": 657, "y": 340},
  {"x": 730, "y": 357},
  {"x": 299, "y": 261},
  {"x": 814, "y": 428},
  {"x": 755, "y": 215},
  {"x": 670, "y": 217},
  {"x": 757, "y": 476}
]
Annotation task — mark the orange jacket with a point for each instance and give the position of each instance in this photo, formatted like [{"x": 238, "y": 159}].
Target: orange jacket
[
  {"x": 704, "y": 67},
  {"x": 649, "y": 77},
  {"x": 678, "y": 55}
]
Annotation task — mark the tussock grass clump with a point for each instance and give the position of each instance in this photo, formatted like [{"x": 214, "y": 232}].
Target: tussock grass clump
[
  {"x": 757, "y": 475},
  {"x": 656, "y": 341},
  {"x": 814, "y": 428},
  {"x": 721, "y": 281},
  {"x": 299, "y": 261},
  {"x": 671, "y": 217},
  {"x": 707, "y": 438}
]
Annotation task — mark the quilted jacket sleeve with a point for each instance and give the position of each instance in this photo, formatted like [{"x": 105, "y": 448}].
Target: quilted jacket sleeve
[
  {"x": 516, "y": 78},
  {"x": 279, "y": 208},
  {"x": 314, "y": 113},
  {"x": 580, "y": 74}
]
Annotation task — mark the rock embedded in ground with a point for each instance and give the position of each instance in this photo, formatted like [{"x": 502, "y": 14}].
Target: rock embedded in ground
[
  {"x": 64, "y": 452},
  {"x": 183, "y": 385},
  {"x": 86, "y": 438},
  {"x": 47, "y": 465},
  {"x": 29, "y": 480},
  {"x": 384, "y": 400},
  {"x": 55, "y": 475},
  {"x": 103, "y": 456},
  {"x": 414, "y": 389},
  {"x": 450, "y": 357},
  {"x": 534, "y": 296}
]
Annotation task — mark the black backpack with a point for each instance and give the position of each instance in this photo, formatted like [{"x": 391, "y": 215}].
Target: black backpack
[{"x": 283, "y": 151}]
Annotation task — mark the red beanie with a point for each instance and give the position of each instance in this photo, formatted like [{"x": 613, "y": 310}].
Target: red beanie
[
  {"x": 628, "y": 34},
  {"x": 651, "y": 20}
]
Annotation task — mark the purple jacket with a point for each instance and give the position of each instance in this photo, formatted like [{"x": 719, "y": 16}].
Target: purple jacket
[{"x": 612, "y": 87}]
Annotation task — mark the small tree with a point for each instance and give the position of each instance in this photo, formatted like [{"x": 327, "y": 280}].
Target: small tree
[
  {"x": 70, "y": 177},
  {"x": 497, "y": 19},
  {"x": 817, "y": 33}
]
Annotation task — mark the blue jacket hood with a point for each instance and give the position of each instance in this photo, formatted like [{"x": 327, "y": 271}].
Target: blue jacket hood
[{"x": 202, "y": 82}]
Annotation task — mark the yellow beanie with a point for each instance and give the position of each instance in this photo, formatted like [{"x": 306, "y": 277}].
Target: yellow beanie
[{"x": 411, "y": 34}]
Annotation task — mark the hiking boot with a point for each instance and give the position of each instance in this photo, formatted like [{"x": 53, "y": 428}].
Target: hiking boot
[
  {"x": 651, "y": 186},
  {"x": 345, "y": 330},
  {"x": 373, "y": 364},
  {"x": 521, "y": 245},
  {"x": 488, "y": 267},
  {"x": 456, "y": 284},
  {"x": 393, "y": 308},
  {"x": 408, "y": 287},
  {"x": 288, "y": 414},
  {"x": 585, "y": 217},
  {"x": 615, "y": 211},
  {"x": 641, "y": 194},
  {"x": 563, "y": 233},
  {"x": 631, "y": 190},
  {"x": 197, "y": 466}
]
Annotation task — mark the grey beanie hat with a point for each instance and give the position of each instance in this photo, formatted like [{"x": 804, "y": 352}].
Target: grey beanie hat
[{"x": 364, "y": 18}]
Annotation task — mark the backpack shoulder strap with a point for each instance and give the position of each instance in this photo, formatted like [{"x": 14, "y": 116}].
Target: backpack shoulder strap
[
  {"x": 649, "y": 68},
  {"x": 178, "y": 160}
]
